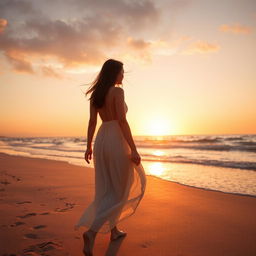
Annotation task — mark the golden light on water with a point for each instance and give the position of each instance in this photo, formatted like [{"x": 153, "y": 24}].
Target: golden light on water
[
  {"x": 156, "y": 169},
  {"x": 158, "y": 153}
]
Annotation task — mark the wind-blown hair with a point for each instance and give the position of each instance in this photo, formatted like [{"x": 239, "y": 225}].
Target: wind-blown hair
[{"x": 104, "y": 80}]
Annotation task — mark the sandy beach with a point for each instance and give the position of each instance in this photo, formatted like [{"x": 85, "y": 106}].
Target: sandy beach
[{"x": 41, "y": 200}]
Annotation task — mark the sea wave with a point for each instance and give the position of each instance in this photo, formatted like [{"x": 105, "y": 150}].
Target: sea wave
[
  {"x": 225, "y": 164},
  {"x": 249, "y": 147},
  {"x": 197, "y": 149}
]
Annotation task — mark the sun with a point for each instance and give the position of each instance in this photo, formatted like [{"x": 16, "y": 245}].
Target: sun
[{"x": 158, "y": 127}]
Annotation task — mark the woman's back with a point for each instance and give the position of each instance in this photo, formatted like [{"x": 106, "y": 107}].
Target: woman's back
[{"x": 109, "y": 112}]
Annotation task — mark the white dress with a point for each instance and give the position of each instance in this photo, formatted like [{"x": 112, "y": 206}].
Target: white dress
[{"x": 119, "y": 183}]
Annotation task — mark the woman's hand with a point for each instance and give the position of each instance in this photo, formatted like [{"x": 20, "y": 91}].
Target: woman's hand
[
  {"x": 135, "y": 157},
  {"x": 88, "y": 155}
]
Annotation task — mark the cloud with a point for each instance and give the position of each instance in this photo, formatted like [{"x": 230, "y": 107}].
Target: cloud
[
  {"x": 201, "y": 47},
  {"x": 165, "y": 47},
  {"x": 83, "y": 33},
  {"x": 138, "y": 44},
  {"x": 18, "y": 8},
  {"x": 48, "y": 71},
  {"x": 3, "y": 24},
  {"x": 146, "y": 49},
  {"x": 72, "y": 42},
  {"x": 137, "y": 49},
  {"x": 19, "y": 62},
  {"x": 235, "y": 29},
  {"x": 131, "y": 14}
]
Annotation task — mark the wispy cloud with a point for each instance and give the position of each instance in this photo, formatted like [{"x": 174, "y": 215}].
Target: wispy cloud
[
  {"x": 168, "y": 47},
  {"x": 48, "y": 71},
  {"x": 235, "y": 29},
  {"x": 201, "y": 47},
  {"x": 19, "y": 62},
  {"x": 146, "y": 49},
  {"x": 138, "y": 44}
]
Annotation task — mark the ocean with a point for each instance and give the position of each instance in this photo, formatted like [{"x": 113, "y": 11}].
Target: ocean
[{"x": 224, "y": 163}]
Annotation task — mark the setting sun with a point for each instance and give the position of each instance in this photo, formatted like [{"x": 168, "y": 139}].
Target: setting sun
[{"x": 158, "y": 126}]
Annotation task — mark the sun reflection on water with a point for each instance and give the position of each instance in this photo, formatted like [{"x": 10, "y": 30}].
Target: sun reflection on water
[
  {"x": 156, "y": 169},
  {"x": 158, "y": 153}
]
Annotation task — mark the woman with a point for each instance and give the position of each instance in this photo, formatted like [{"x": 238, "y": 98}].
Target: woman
[{"x": 120, "y": 179}]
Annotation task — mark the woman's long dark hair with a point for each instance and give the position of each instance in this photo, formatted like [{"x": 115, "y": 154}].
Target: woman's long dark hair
[{"x": 105, "y": 79}]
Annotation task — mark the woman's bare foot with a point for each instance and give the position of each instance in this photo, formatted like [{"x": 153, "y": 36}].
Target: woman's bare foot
[
  {"x": 89, "y": 237},
  {"x": 115, "y": 234}
]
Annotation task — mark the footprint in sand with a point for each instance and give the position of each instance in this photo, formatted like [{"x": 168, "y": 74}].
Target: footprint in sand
[
  {"x": 31, "y": 235},
  {"x": 42, "y": 247},
  {"x": 28, "y": 215},
  {"x": 24, "y": 202},
  {"x": 61, "y": 198},
  {"x": 15, "y": 178},
  {"x": 146, "y": 244},
  {"x": 5, "y": 182},
  {"x": 44, "y": 213},
  {"x": 69, "y": 207},
  {"x": 18, "y": 223},
  {"x": 10, "y": 175},
  {"x": 31, "y": 254},
  {"x": 39, "y": 226}
]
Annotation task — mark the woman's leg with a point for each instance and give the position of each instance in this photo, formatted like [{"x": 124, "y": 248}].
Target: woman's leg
[
  {"x": 116, "y": 233},
  {"x": 89, "y": 238}
]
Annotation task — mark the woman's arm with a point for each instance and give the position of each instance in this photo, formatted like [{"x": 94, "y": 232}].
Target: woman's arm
[
  {"x": 121, "y": 115},
  {"x": 90, "y": 131}
]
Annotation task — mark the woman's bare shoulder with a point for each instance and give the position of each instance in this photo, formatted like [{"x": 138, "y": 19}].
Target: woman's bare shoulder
[{"x": 118, "y": 91}]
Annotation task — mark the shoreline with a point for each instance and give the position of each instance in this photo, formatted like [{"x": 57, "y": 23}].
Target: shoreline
[
  {"x": 41, "y": 200},
  {"x": 72, "y": 164}
]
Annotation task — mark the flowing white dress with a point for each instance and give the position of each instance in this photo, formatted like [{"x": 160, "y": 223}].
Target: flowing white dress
[{"x": 119, "y": 183}]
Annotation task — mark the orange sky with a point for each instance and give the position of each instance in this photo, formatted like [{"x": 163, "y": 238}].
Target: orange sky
[{"x": 189, "y": 65}]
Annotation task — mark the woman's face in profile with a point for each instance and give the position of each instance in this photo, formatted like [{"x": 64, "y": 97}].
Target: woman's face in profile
[{"x": 120, "y": 77}]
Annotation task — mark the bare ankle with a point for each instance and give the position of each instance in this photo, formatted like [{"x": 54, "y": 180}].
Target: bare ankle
[
  {"x": 92, "y": 232},
  {"x": 113, "y": 230}
]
